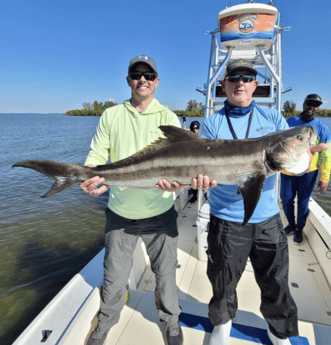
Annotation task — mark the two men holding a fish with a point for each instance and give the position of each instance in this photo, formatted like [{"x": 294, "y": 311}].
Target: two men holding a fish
[
  {"x": 237, "y": 152},
  {"x": 233, "y": 236}
]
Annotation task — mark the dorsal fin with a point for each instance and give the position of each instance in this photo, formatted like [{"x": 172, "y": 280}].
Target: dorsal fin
[{"x": 175, "y": 134}]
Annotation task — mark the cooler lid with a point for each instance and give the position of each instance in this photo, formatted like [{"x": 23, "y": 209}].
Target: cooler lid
[{"x": 247, "y": 8}]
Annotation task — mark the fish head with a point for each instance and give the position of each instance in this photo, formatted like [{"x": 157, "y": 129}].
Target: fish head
[{"x": 289, "y": 152}]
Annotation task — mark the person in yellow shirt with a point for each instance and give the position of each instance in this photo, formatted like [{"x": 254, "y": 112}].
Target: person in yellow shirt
[{"x": 302, "y": 186}]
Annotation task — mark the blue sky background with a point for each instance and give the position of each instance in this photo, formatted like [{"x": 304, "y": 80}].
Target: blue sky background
[{"x": 58, "y": 54}]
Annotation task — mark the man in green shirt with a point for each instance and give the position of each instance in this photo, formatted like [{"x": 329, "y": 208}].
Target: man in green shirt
[{"x": 132, "y": 212}]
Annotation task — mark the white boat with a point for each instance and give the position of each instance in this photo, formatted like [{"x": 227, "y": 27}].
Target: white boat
[{"x": 71, "y": 316}]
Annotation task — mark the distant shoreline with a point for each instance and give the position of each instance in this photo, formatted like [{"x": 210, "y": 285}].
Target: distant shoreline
[
  {"x": 31, "y": 113},
  {"x": 64, "y": 114}
]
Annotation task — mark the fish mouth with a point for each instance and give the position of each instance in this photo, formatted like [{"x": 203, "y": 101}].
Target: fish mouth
[{"x": 284, "y": 152}]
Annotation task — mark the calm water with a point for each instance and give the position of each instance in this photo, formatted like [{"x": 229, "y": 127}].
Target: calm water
[{"x": 44, "y": 242}]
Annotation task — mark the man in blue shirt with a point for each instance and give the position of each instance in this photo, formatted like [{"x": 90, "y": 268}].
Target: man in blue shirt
[{"x": 263, "y": 238}]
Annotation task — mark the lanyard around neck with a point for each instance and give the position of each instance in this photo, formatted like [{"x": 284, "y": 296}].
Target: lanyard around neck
[{"x": 231, "y": 127}]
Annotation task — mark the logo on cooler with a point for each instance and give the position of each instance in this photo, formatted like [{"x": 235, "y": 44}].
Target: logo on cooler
[{"x": 246, "y": 23}]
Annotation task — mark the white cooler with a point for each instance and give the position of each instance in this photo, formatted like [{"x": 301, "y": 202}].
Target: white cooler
[
  {"x": 202, "y": 229},
  {"x": 247, "y": 26}
]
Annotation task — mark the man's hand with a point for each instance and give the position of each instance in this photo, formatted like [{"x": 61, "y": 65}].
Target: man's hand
[
  {"x": 166, "y": 186},
  {"x": 323, "y": 186},
  {"x": 91, "y": 186},
  {"x": 202, "y": 181},
  {"x": 313, "y": 149}
]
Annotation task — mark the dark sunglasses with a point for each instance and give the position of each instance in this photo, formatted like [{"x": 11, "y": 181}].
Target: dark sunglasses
[
  {"x": 246, "y": 78},
  {"x": 150, "y": 76},
  {"x": 313, "y": 104}
]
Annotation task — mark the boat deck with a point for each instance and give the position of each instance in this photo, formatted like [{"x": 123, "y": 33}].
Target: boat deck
[{"x": 139, "y": 322}]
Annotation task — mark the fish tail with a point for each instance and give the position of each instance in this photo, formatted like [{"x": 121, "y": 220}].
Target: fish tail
[
  {"x": 60, "y": 185},
  {"x": 65, "y": 174}
]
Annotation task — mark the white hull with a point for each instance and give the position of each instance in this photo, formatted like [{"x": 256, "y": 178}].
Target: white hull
[{"x": 71, "y": 315}]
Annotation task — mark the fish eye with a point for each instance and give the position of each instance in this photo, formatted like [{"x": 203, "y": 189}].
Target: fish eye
[{"x": 300, "y": 137}]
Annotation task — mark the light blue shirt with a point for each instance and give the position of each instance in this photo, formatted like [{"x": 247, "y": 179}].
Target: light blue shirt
[{"x": 225, "y": 203}]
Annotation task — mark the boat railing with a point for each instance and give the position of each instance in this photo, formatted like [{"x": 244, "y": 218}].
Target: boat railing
[{"x": 318, "y": 234}]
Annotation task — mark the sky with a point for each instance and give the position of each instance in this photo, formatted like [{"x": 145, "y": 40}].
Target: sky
[{"x": 58, "y": 54}]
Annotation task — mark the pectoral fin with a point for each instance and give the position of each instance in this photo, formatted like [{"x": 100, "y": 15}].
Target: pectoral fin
[{"x": 251, "y": 193}]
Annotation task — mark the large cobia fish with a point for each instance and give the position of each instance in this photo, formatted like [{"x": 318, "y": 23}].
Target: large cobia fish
[{"x": 182, "y": 155}]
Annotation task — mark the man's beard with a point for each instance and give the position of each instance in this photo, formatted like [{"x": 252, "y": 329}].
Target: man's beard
[{"x": 309, "y": 116}]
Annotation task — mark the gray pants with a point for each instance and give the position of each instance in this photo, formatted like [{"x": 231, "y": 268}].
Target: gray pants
[{"x": 121, "y": 238}]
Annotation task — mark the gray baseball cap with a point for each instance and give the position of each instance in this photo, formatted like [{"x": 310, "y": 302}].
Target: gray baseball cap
[
  {"x": 143, "y": 59},
  {"x": 240, "y": 64}
]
